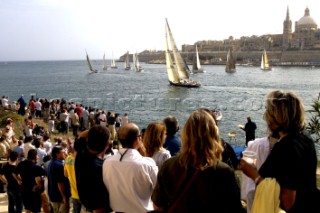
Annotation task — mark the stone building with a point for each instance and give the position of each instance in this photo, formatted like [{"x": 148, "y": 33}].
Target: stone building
[{"x": 306, "y": 36}]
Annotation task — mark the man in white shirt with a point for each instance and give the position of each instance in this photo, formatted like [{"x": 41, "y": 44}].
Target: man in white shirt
[
  {"x": 40, "y": 152},
  {"x": 129, "y": 177},
  {"x": 103, "y": 119},
  {"x": 38, "y": 106},
  {"x": 5, "y": 102},
  {"x": 28, "y": 145},
  {"x": 47, "y": 145}
]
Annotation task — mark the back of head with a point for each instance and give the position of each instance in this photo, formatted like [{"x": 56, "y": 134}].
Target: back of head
[
  {"x": 98, "y": 138},
  {"x": 32, "y": 154},
  {"x": 154, "y": 137},
  {"x": 284, "y": 112},
  {"x": 13, "y": 156},
  {"x": 172, "y": 125},
  {"x": 55, "y": 151},
  {"x": 200, "y": 141},
  {"x": 128, "y": 134},
  {"x": 28, "y": 139},
  {"x": 37, "y": 143}
]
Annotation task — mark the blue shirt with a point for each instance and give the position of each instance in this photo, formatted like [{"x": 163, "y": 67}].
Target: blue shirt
[
  {"x": 173, "y": 144},
  {"x": 55, "y": 176},
  {"x": 19, "y": 150}
]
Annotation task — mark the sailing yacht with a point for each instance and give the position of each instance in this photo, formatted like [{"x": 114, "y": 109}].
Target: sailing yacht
[
  {"x": 264, "y": 61},
  {"x": 136, "y": 62},
  {"x": 178, "y": 75},
  {"x": 230, "y": 65},
  {"x": 127, "y": 62},
  {"x": 104, "y": 67},
  {"x": 92, "y": 70},
  {"x": 113, "y": 63},
  {"x": 196, "y": 67}
]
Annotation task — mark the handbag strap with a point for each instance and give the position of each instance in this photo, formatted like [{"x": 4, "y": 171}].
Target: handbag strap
[{"x": 183, "y": 192}]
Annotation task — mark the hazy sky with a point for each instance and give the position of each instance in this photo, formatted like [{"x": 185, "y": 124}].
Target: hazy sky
[{"x": 63, "y": 29}]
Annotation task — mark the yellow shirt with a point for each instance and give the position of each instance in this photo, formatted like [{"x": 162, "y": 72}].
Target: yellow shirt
[
  {"x": 266, "y": 199},
  {"x": 69, "y": 169}
]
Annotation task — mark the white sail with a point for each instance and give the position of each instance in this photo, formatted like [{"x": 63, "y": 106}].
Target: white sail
[
  {"x": 196, "y": 65},
  {"x": 89, "y": 64},
  {"x": 264, "y": 61},
  {"x": 105, "y": 66},
  {"x": 182, "y": 67},
  {"x": 230, "y": 65},
  {"x": 173, "y": 74},
  {"x": 198, "y": 60},
  {"x": 127, "y": 62},
  {"x": 113, "y": 63},
  {"x": 136, "y": 62}
]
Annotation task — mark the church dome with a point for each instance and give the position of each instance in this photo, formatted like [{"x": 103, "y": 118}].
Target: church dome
[{"x": 307, "y": 20}]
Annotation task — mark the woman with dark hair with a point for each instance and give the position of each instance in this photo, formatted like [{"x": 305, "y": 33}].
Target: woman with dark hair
[
  {"x": 292, "y": 161},
  {"x": 196, "y": 180}
]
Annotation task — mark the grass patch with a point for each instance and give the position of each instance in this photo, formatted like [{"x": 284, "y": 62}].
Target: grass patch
[{"x": 18, "y": 121}]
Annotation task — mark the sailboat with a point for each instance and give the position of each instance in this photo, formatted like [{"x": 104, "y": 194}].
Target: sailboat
[
  {"x": 230, "y": 65},
  {"x": 113, "y": 63},
  {"x": 104, "y": 67},
  {"x": 264, "y": 61},
  {"x": 136, "y": 62},
  {"x": 178, "y": 75},
  {"x": 127, "y": 62},
  {"x": 92, "y": 70},
  {"x": 196, "y": 67}
]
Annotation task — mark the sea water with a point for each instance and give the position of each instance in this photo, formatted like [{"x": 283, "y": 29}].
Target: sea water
[{"x": 147, "y": 96}]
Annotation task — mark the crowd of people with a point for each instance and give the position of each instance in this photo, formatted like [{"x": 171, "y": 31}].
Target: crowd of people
[{"x": 110, "y": 165}]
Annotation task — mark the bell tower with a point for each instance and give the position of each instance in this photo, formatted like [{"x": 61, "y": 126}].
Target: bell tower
[{"x": 287, "y": 31}]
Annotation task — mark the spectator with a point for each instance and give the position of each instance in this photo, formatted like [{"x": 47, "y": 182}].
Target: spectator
[
  {"x": 15, "y": 204},
  {"x": 88, "y": 167},
  {"x": 58, "y": 184},
  {"x": 30, "y": 175},
  {"x": 153, "y": 141},
  {"x": 172, "y": 142},
  {"x": 196, "y": 180},
  {"x": 250, "y": 129},
  {"x": 129, "y": 177},
  {"x": 292, "y": 161}
]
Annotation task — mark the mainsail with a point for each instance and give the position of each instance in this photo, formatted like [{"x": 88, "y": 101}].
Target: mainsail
[
  {"x": 196, "y": 66},
  {"x": 136, "y": 62},
  {"x": 264, "y": 61},
  {"x": 104, "y": 67},
  {"x": 113, "y": 63},
  {"x": 127, "y": 62},
  {"x": 181, "y": 65},
  {"x": 173, "y": 74},
  {"x": 230, "y": 65},
  {"x": 89, "y": 64}
]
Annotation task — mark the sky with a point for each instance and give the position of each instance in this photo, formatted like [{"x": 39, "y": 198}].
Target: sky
[{"x": 64, "y": 29}]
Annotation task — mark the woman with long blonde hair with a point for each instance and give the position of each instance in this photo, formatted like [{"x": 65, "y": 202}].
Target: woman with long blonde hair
[
  {"x": 153, "y": 140},
  {"x": 292, "y": 161},
  {"x": 196, "y": 180}
]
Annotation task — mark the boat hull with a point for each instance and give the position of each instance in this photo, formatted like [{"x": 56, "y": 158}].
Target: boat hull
[
  {"x": 185, "y": 84},
  {"x": 266, "y": 69},
  {"x": 198, "y": 71},
  {"x": 231, "y": 70}
]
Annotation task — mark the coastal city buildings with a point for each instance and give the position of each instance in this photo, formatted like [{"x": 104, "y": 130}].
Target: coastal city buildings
[{"x": 300, "y": 46}]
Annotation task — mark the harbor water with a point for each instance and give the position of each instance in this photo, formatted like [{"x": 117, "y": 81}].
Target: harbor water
[{"x": 147, "y": 96}]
